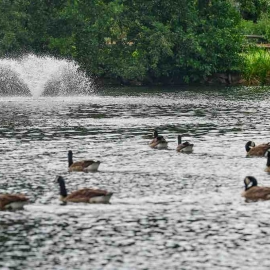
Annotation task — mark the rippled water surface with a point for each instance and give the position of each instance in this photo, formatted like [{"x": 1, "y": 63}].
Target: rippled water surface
[{"x": 169, "y": 210}]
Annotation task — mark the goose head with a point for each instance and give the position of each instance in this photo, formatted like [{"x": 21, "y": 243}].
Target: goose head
[
  {"x": 249, "y": 182},
  {"x": 249, "y": 145},
  {"x": 60, "y": 180},
  {"x": 70, "y": 158},
  {"x": 179, "y": 139},
  {"x": 267, "y": 155}
]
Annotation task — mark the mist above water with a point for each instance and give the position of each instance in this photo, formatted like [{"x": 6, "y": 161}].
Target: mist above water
[{"x": 42, "y": 75}]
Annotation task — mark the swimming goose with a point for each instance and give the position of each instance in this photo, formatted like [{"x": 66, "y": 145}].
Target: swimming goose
[
  {"x": 184, "y": 147},
  {"x": 259, "y": 150},
  {"x": 81, "y": 166},
  {"x": 253, "y": 192},
  {"x": 12, "y": 201},
  {"x": 158, "y": 141},
  {"x": 85, "y": 195}
]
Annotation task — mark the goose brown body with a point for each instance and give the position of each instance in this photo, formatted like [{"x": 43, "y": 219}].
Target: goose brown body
[
  {"x": 85, "y": 195},
  {"x": 258, "y": 151},
  {"x": 255, "y": 192},
  {"x": 158, "y": 141},
  {"x": 83, "y": 165},
  {"x": 7, "y": 201},
  {"x": 184, "y": 147}
]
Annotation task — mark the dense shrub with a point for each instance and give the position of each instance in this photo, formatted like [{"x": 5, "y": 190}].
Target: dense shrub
[{"x": 146, "y": 41}]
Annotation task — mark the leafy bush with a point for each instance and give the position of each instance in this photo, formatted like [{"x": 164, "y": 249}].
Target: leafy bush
[
  {"x": 252, "y": 10},
  {"x": 262, "y": 27},
  {"x": 158, "y": 40},
  {"x": 147, "y": 41},
  {"x": 256, "y": 68}
]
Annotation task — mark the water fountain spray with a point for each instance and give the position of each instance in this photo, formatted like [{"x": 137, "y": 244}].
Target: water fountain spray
[{"x": 42, "y": 75}]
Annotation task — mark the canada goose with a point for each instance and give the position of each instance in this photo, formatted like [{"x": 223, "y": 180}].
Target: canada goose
[
  {"x": 85, "y": 195},
  {"x": 253, "y": 192},
  {"x": 267, "y": 169},
  {"x": 258, "y": 150},
  {"x": 81, "y": 166},
  {"x": 184, "y": 147},
  {"x": 12, "y": 201},
  {"x": 158, "y": 141}
]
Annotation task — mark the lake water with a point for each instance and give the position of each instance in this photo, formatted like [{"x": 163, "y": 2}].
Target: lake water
[{"x": 169, "y": 210}]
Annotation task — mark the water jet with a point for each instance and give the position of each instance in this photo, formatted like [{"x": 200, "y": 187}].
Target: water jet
[{"x": 42, "y": 75}]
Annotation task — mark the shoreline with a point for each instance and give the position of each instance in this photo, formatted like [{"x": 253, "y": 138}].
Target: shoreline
[{"x": 218, "y": 79}]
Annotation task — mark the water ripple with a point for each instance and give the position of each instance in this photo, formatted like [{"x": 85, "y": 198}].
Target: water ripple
[{"x": 169, "y": 210}]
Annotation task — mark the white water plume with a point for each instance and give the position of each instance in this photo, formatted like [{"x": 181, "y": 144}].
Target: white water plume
[{"x": 45, "y": 75}]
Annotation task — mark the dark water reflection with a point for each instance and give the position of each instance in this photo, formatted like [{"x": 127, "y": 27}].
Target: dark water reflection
[{"x": 169, "y": 210}]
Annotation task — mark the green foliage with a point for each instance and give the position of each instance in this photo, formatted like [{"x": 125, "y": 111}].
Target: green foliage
[
  {"x": 159, "y": 40},
  {"x": 256, "y": 69},
  {"x": 13, "y": 35},
  {"x": 148, "y": 41},
  {"x": 253, "y": 9},
  {"x": 215, "y": 42},
  {"x": 38, "y": 26},
  {"x": 262, "y": 27}
]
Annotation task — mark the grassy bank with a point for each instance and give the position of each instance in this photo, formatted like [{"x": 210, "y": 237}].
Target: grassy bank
[{"x": 256, "y": 67}]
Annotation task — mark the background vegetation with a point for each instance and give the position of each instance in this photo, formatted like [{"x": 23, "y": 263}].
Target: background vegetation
[{"x": 136, "y": 41}]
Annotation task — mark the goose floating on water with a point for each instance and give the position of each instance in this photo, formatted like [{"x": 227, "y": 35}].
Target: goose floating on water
[
  {"x": 185, "y": 147},
  {"x": 253, "y": 192},
  {"x": 12, "y": 201},
  {"x": 158, "y": 141},
  {"x": 258, "y": 151},
  {"x": 81, "y": 166},
  {"x": 85, "y": 195}
]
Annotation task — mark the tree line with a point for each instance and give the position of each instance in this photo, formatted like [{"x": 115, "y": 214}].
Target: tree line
[{"x": 132, "y": 40}]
